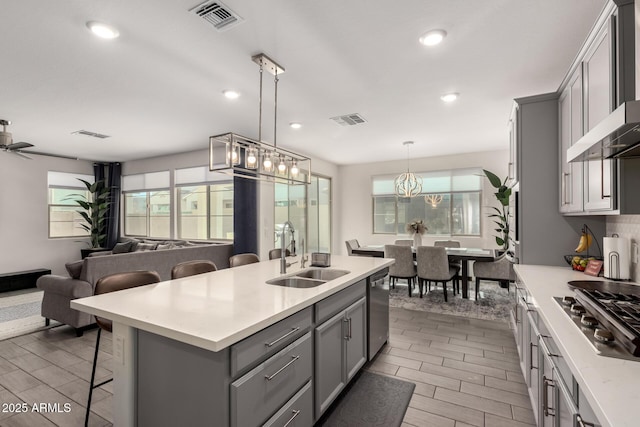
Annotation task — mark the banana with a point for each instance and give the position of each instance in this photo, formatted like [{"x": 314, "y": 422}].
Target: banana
[{"x": 585, "y": 242}]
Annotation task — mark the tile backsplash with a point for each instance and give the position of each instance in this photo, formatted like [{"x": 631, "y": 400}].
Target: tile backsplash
[{"x": 627, "y": 226}]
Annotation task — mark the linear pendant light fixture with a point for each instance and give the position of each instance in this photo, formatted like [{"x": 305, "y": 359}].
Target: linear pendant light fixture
[{"x": 238, "y": 155}]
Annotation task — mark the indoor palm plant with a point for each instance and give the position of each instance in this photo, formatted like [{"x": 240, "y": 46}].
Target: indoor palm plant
[
  {"x": 501, "y": 215},
  {"x": 95, "y": 209}
]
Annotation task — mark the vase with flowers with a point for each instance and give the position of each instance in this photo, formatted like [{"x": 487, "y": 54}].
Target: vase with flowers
[{"x": 418, "y": 228}]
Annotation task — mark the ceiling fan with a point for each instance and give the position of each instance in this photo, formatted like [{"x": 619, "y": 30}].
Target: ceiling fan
[{"x": 7, "y": 144}]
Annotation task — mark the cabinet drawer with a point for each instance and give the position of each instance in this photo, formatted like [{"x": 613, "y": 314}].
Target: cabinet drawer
[
  {"x": 297, "y": 412},
  {"x": 267, "y": 342},
  {"x": 258, "y": 394},
  {"x": 328, "y": 307}
]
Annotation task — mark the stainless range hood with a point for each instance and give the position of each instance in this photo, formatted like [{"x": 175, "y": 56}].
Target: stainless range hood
[{"x": 617, "y": 136}]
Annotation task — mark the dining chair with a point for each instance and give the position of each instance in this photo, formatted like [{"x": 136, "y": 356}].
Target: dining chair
[
  {"x": 243, "y": 259},
  {"x": 500, "y": 270},
  {"x": 113, "y": 283},
  {"x": 433, "y": 266},
  {"x": 404, "y": 242},
  {"x": 404, "y": 268},
  {"x": 277, "y": 253},
  {"x": 351, "y": 245},
  {"x": 456, "y": 264},
  {"x": 191, "y": 268}
]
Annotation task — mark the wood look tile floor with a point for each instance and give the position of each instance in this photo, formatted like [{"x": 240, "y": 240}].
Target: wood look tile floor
[
  {"x": 466, "y": 373},
  {"x": 466, "y": 370}
]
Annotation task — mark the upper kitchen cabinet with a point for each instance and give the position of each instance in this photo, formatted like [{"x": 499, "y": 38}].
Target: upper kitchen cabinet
[
  {"x": 571, "y": 126},
  {"x": 600, "y": 79}
]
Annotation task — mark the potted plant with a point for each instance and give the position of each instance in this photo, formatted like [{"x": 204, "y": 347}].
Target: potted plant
[
  {"x": 417, "y": 228},
  {"x": 501, "y": 215},
  {"x": 94, "y": 212}
]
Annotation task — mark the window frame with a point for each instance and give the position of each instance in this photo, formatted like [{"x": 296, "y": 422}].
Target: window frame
[
  {"x": 75, "y": 206},
  {"x": 147, "y": 193},
  {"x": 208, "y": 215}
]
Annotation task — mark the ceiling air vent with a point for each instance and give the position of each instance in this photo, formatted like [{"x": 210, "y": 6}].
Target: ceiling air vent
[
  {"x": 217, "y": 14},
  {"x": 349, "y": 119},
  {"x": 91, "y": 134}
]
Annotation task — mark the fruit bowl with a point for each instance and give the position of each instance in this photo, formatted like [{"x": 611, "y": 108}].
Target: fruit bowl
[{"x": 579, "y": 263}]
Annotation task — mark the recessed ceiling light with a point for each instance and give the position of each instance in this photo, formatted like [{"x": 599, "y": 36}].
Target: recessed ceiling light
[
  {"x": 433, "y": 37},
  {"x": 231, "y": 94},
  {"x": 102, "y": 30},
  {"x": 449, "y": 97},
  {"x": 295, "y": 125}
]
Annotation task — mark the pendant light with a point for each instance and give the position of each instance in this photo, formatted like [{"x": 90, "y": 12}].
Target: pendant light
[
  {"x": 260, "y": 160},
  {"x": 433, "y": 199},
  {"x": 408, "y": 184}
]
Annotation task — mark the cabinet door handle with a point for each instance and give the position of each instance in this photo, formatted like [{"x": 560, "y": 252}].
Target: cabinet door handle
[
  {"x": 350, "y": 335},
  {"x": 295, "y": 414},
  {"x": 272, "y": 376},
  {"x": 546, "y": 348},
  {"x": 582, "y": 423},
  {"x": 510, "y": 171},
  {"x": 531, "y": 345},
  {"x": 292, "y": 331},
  {"x": 566, "y": 186},
  {"x": 346, "y": 320},
  {"x": 602, "y": 195},
  {"x": 546, "y": 383}
]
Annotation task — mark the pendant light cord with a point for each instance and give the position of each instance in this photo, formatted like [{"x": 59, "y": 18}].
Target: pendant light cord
[
  {"x": 275, "y": 110},
  {"x": 260, "y": 108}
]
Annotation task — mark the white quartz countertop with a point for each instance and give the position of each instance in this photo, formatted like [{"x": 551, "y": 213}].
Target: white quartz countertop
[
  {"x": 612, "y": 386},
  {"x": 215, "y": 310}
]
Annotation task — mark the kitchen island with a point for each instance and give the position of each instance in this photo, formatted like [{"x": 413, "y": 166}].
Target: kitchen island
[
  {"x": 185, "y": 348},
  {"x": 609, "y": 385}
]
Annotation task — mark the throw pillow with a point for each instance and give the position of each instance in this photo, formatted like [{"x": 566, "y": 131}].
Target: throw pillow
[
  {"x": 121, "y": 248},
  {"x": 74, "y": 268},
  {"x": 143, "y": 247}
]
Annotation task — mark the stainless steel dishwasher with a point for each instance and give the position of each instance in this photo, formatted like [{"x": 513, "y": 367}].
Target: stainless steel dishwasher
[{"x": 378, "y": 312}]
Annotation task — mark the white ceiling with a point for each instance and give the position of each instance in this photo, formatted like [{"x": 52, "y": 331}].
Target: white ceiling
[{"x": 157, "y": 89}]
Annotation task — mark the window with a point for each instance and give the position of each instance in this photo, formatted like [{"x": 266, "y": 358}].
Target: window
[
  {"x": 308, "y": 207},
  {"x": 449, "y": 204},
  {"x": 64, "y": 220},
  {"x": 147, "y": 205},
  {"x": 204, "y": 204},
  {"x": 206, "y": 211}
]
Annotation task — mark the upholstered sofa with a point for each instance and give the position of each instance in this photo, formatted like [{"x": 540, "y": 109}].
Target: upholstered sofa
[{"x": 60, "y": 290}]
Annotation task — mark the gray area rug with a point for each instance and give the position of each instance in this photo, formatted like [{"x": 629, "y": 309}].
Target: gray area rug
[
  {"x": 494, "y": 302},
  {"x": 371, "y": 400},
  {"x": 20, "y": 311}
]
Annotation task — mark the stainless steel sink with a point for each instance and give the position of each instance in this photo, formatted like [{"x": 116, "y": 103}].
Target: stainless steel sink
[
  {"x": 296, "y": 282},
  {"x": 325, "y": 274}
]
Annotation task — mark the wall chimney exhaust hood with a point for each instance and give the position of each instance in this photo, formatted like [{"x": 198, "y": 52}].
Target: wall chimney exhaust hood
[{"x": 617, "y": 136}]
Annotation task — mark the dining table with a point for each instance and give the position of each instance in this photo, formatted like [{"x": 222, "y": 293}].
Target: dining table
[{"x": 453, "y": 254}]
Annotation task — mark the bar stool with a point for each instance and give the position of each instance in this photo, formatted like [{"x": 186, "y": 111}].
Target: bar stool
[
  {"x": 243, "y": 259},
  {"x": 113, "y": 283},
  {"x": 351, "y": 245},
  {"x": 277, "y": 253},
  {"x": 191, "y": 268}
]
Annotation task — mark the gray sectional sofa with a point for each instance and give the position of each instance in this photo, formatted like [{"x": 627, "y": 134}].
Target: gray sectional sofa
[{"x": 60, "y": 290}]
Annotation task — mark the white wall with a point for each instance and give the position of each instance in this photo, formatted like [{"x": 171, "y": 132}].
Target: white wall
[
  {"x": 355, "y": 216},
  {"x": 24, "y": 241}
]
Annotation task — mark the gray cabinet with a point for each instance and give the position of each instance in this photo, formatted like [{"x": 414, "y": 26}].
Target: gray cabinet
[
  {"x": 599, "y": 66},
  {"x": 513, "y": 145},
  {"x": 340, "y": 351},
  {"x": 571, "y": 129}
]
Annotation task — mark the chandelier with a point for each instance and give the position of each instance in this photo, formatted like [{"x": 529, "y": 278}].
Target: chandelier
[
  {"x": 433, "y": 199},
  {"x": 238, "y": 155},
  {"x": 408, "y": 184}
]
